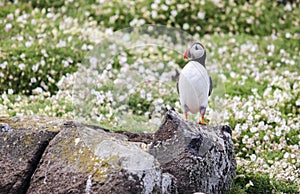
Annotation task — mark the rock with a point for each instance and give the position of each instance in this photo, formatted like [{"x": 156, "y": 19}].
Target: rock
[
  {"x": 4, "y": 127},
  {"x": 169, "y": 184},
  {"x": 201, "y": 158},
  {"x": 20, "y": 151},
  {"x": 81, "y": 159},
  {"x": 42, "y": 155}
]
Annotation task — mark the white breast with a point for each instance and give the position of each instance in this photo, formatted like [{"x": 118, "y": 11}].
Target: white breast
[{"x": 193, "y": 87}]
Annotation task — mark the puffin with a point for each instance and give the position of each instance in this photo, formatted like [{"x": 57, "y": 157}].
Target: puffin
[{"x": 195, "y": 84}]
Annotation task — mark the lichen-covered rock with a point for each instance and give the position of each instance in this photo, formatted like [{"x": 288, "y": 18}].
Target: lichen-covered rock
[
  {"x": 201, "y": 158},
  {"x": 169, "y": 184},
  {"x": 82, "y": 159},
  {"x": 21, "y": 149},
  {"x": 46, "y": 155}
]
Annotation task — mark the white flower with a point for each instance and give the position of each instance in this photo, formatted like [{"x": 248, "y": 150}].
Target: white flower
[
  {"x": 239, "y": 115},
  {"x": 180, "y": 7},
  {"x": 261, "y": 124},
  {"x": 19, "y": 98},
  {"x": 271, "y": 102},
  {"x": 284, "y": 165},
  {"x": 35, "y": 67},
  {"x": 33, "y": 80},
  {"x": 109, "y": 31},
  {"x": 28, "y": 44},
  {"x": 3, "y": 65},
  {"x": 238, "y": 128},
  {"x": 143, "y": 94},
  {"x": 20, "y": 114},
  {"x": 271, "y": 47},
  {"x": 288, "y": 35},
  {"x": 22, "y": 56},
  {"x": 61, "y": 44},
  {"x": 37, "y": 90},
  {"x": 149, "y": 96},
  {"x": 253, "y": 129},
  {"x": 253, "y": 157},
  {"x": 7, "y": 27},
  {"x": 90, "y": 47},
  {"x": 233, "y": 74},
  {"x": 33, "y": 22},
  {"x": 244, "y": 126},
  {"x": 250, "y": 183},
  {"x": 44, "y": 52},
  {"x": 49, "y": 15},
  {"x": 141, "y": 69},
  {"x": 266, "y": 138},
  {"x": 278, "y": 132},
  {"x": 159, "y": 101},
  {"x": 123, "y": 59},
  {"x": 288, "y": 7},
  {"x": 154, "y": 6},
  {"x": 249, "y": 20},
  {"x": 10, "y": 91},
  {"x": 43, "y": 62},
  {"x": 250, "y": 109},
  {"x": 10, "y": 17},
  {"x": 153, "y": 14},
  {"x": 21, "y": 66},
  {"x": 201, "y": 15},
  {"x": 222, "y": 50},
  {"x": 65, "y": 63},
  {"x": 84, "y": 47},
  {"x": 223, "y": 77},
  {"x": 174, "y": 13},
  {"x": 93, "y": 61},
  {"x": 186, "y": 26},
  {"x": 164, "y": 7}
]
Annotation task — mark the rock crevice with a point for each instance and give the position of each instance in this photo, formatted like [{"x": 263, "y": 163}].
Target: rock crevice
[{"x": 21, "y": 151}]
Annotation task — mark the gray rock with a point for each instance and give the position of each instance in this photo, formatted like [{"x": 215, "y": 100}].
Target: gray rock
[
  {"x": 42, "y": 155},
  {"x": 81, "y": 159},
  {"x": 4, "y": 127},
  {"x": 20, "y": 151},
  {"x": 201, "y": 158},
  {"x": 169, "y": 184}
]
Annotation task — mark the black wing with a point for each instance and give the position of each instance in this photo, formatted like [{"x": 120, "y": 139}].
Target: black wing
[
  {"x": 177, "y": 87},
  {"x": 210, "y": 86}
]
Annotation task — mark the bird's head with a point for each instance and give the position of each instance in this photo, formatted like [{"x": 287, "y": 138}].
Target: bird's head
[{"x": 197, "y": 52}]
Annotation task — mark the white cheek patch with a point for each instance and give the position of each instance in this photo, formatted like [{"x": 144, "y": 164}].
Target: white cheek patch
[{"x": 198, "y": 53}]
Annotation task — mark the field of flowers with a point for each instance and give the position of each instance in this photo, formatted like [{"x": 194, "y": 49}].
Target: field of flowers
[{"x": 115, "y": 64}]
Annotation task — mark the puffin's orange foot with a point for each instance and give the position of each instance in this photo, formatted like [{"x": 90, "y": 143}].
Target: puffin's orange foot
[{"x": 201, "y": 123}]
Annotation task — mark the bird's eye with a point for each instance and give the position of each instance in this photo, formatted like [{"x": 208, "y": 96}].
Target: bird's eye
[{"x": 196, "y": 47}]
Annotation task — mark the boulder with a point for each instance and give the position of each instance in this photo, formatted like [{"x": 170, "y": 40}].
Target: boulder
[
  {"x": 82, "y": 159},
  {"x": 201, "y": 158},
  {"x": 22, "y": 144},
  {"x": 60, "y": 156}
]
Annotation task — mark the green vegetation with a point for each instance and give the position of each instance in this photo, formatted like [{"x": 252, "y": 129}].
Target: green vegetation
[
  {"x": 261, "y": 183},
  {"x": 46, "y": 47}
]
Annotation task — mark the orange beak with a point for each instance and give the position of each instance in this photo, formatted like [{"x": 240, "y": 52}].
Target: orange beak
[{"x": 185, "y": 54}]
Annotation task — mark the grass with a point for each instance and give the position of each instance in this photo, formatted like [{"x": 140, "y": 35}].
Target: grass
[{"x": 261, "y": 183}]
